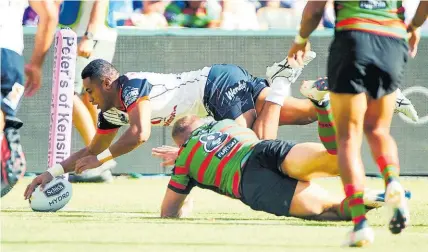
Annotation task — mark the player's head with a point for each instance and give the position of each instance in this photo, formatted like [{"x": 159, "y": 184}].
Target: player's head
[
  {"x": 183, "y": 127},
  {"x": 98, "y": 77}
]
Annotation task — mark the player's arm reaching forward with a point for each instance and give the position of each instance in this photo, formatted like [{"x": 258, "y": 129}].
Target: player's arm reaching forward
[
  {"x": 48, "y": 12},
  {"x": 122, "y": 100}
]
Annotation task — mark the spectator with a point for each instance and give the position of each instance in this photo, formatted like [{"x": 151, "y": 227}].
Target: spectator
[
  {"x": 273, "y": 16},
  {"x": 150, "y": 16},
  {"x": 191, "y": 14},
  {"x": 239, "y": 14}
]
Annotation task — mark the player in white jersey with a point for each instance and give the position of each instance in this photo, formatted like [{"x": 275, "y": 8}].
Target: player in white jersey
[{"x": 12, "y": 76}]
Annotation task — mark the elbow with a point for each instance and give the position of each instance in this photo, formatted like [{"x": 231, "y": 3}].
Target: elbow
[{"x": 169, "y": 215}]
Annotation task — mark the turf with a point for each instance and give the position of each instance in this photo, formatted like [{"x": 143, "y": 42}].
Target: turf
[{"x": 123, "y": 216}]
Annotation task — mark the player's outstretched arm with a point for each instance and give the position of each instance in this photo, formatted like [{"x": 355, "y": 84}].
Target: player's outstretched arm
[
  {"x": 98, "y": 144},
  {"x": 48, "y": 12},
  {"x": 175, "y": 205},
  {"x": 137, "y": 133}
]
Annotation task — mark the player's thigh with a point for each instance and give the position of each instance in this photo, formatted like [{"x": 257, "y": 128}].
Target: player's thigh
[
  {"x": 293, "y": 112},
  {"x": 306, "y": 161},
  {"x": 12, "y": 81},
  {"x": 310, "y": 199},
  {"x": 349, "y": 111},
  {"x": 228, "y": 93},
  {"x": 247, "y": 118}
]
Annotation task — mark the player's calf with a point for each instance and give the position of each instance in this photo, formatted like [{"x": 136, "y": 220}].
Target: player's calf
[{"x": 13, "y": 164}]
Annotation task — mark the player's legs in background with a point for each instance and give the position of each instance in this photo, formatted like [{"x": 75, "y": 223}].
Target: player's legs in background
[
  {"x": 13, "y": 164},
  {"x": 82, "y": 120},
  {"x": 85, "y": 115}
]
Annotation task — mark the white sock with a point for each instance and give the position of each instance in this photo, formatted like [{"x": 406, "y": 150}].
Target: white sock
[{"x": 280, "y": 88}]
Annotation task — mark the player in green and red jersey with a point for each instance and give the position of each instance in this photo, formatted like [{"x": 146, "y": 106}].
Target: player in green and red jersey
[
  {"x": 264, "y": 174},
  {"x": 365, "y": 67}
]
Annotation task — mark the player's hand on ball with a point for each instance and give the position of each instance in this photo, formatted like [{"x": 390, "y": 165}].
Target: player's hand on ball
[
  {"x": 34, "y": 76},
  {"x": 88, "y": 162},
  {"x": 41, "y": 180},
  {"x": 85, "y": 47},
  {"x": 297, "y": 53},
  {"x": 167, "y": 153}
]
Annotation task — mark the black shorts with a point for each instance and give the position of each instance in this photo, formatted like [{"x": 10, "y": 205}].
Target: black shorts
[
  {"x": 12, "y": 81},
  {"x": 263, "y": 185},
  {"x": 363, "y": 62},
  {"x": 231, "y": 91}
]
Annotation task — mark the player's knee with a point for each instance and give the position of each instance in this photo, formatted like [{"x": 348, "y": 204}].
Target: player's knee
[{"x": 376, "y": 132}]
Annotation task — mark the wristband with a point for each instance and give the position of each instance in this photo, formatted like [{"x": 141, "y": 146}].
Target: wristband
[
  {"x": 299, "y": 40},
  {"x": 56, "y": 170},
  {"x": 105, "y": 156}
]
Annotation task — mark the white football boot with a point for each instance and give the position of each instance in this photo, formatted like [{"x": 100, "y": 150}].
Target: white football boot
[
  {"x": 405, "y": 106},
  {"x": 284, "y": 69},
  {"x": 395, "y": 198},
  {"x": 359, "y": 237}
]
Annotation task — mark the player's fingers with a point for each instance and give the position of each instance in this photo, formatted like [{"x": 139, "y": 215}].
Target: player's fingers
[{"x": 299, "y": 58}]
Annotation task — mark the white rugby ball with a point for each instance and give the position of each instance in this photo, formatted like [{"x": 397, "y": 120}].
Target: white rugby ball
[{"x": 55, "y": 196}]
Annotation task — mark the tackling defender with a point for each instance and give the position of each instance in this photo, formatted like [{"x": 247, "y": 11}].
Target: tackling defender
[
  {"x": 12, "y": 77},
  {"x": 365, "y": 67},
  {"x": 268, "y": 175}
]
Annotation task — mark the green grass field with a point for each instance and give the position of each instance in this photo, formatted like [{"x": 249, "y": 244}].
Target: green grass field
[{"x": 123, "y": 216}]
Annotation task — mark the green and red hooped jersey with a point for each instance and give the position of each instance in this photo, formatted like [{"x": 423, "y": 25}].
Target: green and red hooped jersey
[
  {"x": 212, "y": 158},
  {"x": 381, "y": 17}
]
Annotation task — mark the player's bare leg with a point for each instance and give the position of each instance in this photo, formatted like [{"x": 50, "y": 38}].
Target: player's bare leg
[
  {"x": 294, "y": 111},
  {"x": 91, "y": 108},
  {"x": 377, "y": 124},
  {"x": 311, "y": 201},
  {"x": 349, "y": 110},
  {"x": 83, "y": 121}
]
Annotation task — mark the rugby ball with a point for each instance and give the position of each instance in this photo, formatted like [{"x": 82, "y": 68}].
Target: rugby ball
[{"x": 55, "y": 196}]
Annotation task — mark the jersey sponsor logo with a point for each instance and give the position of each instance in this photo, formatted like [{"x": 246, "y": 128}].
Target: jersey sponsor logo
[
  {"x": 373, "y": 4},
  {"x": 231, "y": 92},
  {"x": 168, "y": 120},
  {"x": 213, "y": 140},
  {"x": 130, "y": 95},
  {"x": 226, "y": 148},
  {"x": 171, "y": 116}
]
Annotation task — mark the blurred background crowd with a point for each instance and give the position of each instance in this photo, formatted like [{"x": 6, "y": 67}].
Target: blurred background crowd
[{"x": 220, "y": 14}]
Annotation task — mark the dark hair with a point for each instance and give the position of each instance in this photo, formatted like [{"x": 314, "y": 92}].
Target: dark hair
[{"x": 99, "y": 69}]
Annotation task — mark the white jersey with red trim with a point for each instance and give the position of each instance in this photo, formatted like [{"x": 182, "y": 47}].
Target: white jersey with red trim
[{"x": 171, "y": 96}]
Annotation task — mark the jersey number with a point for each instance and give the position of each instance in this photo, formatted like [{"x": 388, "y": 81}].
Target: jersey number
[
  {"x": 373, "y": 4},
  {"x": 213, "y": 140}
]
